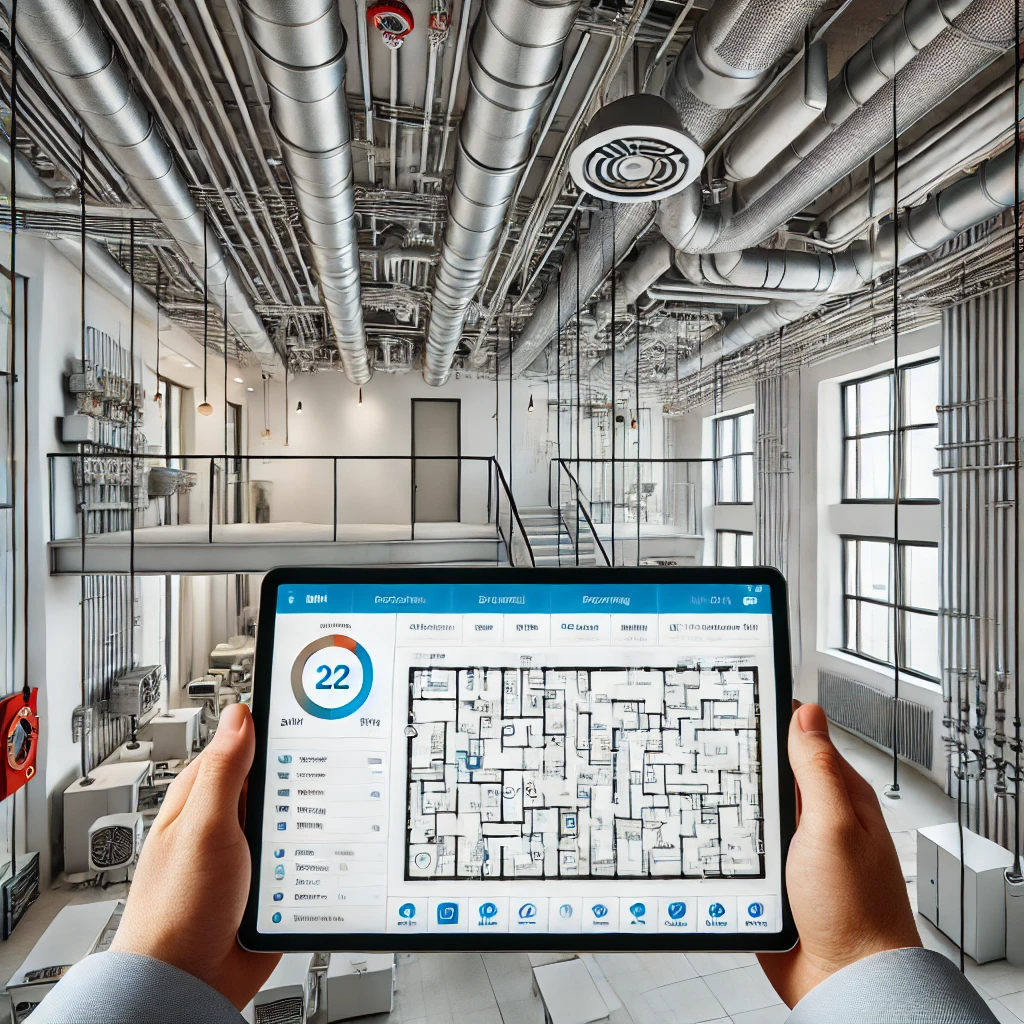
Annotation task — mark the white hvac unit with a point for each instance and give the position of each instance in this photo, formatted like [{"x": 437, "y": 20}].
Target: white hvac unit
[
  {"x": 110, "y": 789},
  {"x": 115, "y": 841}
]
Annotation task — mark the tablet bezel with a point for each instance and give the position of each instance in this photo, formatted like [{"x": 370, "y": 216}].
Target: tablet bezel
[{"x": 251, "y": 938}]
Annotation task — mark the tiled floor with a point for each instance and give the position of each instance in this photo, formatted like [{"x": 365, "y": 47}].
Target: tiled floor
[{"x": 657, "y": 988}]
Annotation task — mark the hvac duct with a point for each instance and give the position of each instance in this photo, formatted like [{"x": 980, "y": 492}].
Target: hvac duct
[
  {"x": 65, "y": 40},
  {"x": 980, "y": 35},
  {"x": 736, "y": 45},
  {"x": 974, "y": 136},
  {"x": 965, "y": 204},
  {"x": 797, "y": 105},
  {"x": 514, "y": 61},
  {"x": 300, "y": 49},
  {"x": 870, "y": 69},
  {"x": 99, "y": 264}
]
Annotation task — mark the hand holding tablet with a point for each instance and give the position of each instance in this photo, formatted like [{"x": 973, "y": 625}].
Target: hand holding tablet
[{"x": 520, "y": 760}]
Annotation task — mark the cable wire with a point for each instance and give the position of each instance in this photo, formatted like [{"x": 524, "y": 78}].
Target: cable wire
[
  {"x": 897, "y": 448},
  {"x": 1016, "y": 439}
]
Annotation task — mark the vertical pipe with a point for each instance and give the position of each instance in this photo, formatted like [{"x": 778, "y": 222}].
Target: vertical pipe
[
  {"x": 558, "y": 413},
  {"x": 614, "y": 396},
  {"x": 1016, "y": 441},
  {"x": 639, "y": 477}
]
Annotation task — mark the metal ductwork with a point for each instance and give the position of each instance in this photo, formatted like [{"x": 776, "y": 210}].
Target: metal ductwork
[
  {"x": 869, "y": 70},
  {"x": 729, "y": 58},
  {"x": 66, "y": 42},
  {"x": 963, "y": 205},
  {"x": 980, "y": 35},
  {"x": 611, "y": 236},
  {"x": 300, "y": 48},
  {"x": 736, "y": 45},
  {"x": 100, "y": 266},
  {"x": 514, "y": 61},
  {"x": 975, "y": 136}
]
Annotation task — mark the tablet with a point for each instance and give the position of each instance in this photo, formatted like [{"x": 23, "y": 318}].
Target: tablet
[{"x": 500, "y": 759}]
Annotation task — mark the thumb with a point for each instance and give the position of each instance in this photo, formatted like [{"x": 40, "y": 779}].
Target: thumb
[
  {"x": 818, "y": 769},
  {"x": 224, "y": 765}
]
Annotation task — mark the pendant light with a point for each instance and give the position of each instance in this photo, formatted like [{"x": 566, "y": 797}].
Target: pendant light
[
  {"x": 158, "y": 396},
  {"x": 529, "y": 408},
  {"x": 360, "y": 402},
  {"x": 298, "y": 408},
  {"x": 205, "y": 409}
]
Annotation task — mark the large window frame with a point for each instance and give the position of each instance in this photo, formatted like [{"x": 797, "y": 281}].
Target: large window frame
[
  {"x": 898, "y": 587},
  {"x": 734, "y": 540},
  {"x": 904, "y": 431},
  {"x": 737, "y": 456}
]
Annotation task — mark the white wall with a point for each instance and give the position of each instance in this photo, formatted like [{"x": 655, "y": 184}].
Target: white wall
[
  {"x": 54, "y": 337},
  {"x": 817, "y": 518},
  {"x": 333, "y": 424}
]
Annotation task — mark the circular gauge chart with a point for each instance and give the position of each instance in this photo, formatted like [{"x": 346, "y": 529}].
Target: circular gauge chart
[{"x": 332, "y": 677}]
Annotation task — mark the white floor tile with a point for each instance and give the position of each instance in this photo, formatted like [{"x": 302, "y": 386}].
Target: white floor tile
[
  {"x": 1002, "y": 1013},
  {"x": 522, "y": 1011},
  {"x": 715, "y": 963},
  {"x": 742, "y": 990},
  {"x": 1014, "y": 1003},
  {"x": 777, "y": 1014},
  {"x": 686, "y": 1002}
]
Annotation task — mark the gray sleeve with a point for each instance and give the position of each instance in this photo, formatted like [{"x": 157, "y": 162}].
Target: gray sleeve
[
  {"x": 903, "y": 986},
  {"x": 121, "y": 988}
]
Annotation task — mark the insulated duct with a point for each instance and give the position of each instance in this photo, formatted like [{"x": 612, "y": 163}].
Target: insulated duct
[
  {"x": 514, "y": 61},
  {"x": 99, "y": 264},
  {"x": 734, "y": 48},
  {"x": 963, "y": 205},
  {"x": 65, "y": 41},
  {"x": 874, "y": 65},
  {"x": 980, "y": 35},
  {"x": 300, "y": 48}
]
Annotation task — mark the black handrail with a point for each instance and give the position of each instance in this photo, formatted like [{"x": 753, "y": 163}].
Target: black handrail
[
  {"x": 582, "y": 508},
  {"x": 515, "y": 512}
]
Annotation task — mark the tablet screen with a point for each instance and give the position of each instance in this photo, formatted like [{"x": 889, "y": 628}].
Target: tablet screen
[{"x": 521, "y": 759}]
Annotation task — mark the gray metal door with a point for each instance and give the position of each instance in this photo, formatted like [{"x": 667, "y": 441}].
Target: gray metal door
[{"x": 436, "y": 483}]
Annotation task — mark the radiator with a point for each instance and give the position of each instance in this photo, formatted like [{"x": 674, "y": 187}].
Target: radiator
[{"x": 869, "y": 713}]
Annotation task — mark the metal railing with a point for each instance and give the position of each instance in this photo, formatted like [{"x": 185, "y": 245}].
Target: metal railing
[
  {"x": 78, "y": 508},
  {"x": 580, "y": 505}
]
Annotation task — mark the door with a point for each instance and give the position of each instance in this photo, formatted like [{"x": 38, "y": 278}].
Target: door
[{"x": 436, "y": 483}]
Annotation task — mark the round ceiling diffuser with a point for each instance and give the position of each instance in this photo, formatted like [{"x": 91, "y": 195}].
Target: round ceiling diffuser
[
  {"x": 635, "y": 151},
  {"x": 393, "y": 20}
]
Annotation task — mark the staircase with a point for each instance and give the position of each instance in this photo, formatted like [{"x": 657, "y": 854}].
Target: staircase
[{"x": 551, "y": 542}]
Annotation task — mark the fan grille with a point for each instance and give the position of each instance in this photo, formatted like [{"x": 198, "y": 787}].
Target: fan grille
[
  {"x": 112, "y": 846},
  {"x": 640, "y": 167},
  {"x": 281, "y": 1011}
]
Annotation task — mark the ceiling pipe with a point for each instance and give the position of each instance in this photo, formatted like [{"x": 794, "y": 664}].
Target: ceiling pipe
[
  {"x": 870, "y": 69},
  {"x": 963, "y": 205},
  {"x": 725, "y": 63},
  {"x": 514, "y": 62},
  {"x": 300, "y": 49},
  {"x": 954, "y": 58},
  {"x": 66, "y": 42},
  {"x": 100, "y": 266}
]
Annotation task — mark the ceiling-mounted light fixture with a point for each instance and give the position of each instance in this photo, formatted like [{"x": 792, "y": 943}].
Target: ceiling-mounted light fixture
[
  {"x": 360, "y": 403},
  {"x": 158, "y": 395},
  {"x": 189, "y": 366},
  {"x": 250, "y": 389},
  {"x": 238, "y": 380},
  {"x": 205, "y": 409},
  {"x": 635, "y": 151},
  {"x": 298, "y": 408},
  {"x": 529, "y": 408}
]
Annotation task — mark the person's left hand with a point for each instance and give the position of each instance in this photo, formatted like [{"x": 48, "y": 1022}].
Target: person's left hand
[{"x": 192, "y": 880}]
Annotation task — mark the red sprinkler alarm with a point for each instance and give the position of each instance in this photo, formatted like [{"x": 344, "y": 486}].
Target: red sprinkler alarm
[
  {"x": 19, "y": 727},
  {"x": 394, "y": 21}
]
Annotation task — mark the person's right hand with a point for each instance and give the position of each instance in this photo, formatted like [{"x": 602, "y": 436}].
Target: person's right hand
[{"x": 845, "y": 884}]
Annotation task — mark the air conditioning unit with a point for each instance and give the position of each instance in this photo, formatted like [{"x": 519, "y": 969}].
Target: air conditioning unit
[{"x": 115, "y": 841}]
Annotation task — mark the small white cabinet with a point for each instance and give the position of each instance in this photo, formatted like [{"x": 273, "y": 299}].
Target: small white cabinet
[{"x": 938, "y": 888}]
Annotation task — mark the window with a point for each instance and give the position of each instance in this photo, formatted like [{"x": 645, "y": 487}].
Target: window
[
  {"x": 869, "y": 411},
  {"x": 734, "y": 459},
  {"x": 734, "y": 548},
  {"x": 871, "y": 600}
]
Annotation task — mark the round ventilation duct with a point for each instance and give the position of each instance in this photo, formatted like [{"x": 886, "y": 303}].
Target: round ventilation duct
[{"x": 635, "y": 151}]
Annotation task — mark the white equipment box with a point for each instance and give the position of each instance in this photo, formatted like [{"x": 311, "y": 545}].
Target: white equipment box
[
  {"x": 114, "y": 790},
  {"x": 174, "y": 734},
  {"x": 938, "y": 888},
  {"x": 72, "y": 935},
  {"x": 358, "y": 984}
]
